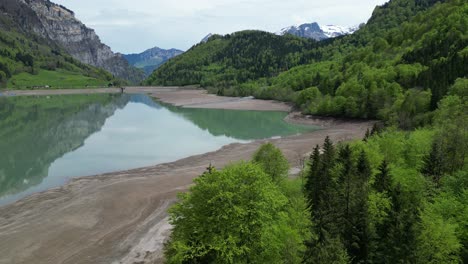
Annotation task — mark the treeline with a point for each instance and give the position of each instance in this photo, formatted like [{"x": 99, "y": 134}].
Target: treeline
[
  {"x": 381, "y": 72},
  {"x": 393, "y": 197},
  {"x": 396, "y": 68},
  {"x": 226, "y": 61},
  {"x": 26, "y": 52}
]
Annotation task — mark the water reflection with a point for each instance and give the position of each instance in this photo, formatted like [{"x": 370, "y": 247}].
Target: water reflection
[{"x": 45, "y": 141}]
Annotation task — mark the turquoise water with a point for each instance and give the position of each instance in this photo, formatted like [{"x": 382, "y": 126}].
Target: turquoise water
[{"x": 46, "y": 141}]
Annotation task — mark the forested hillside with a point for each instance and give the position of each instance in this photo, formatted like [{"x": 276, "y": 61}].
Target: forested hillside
[
  {"x": 397, "y": 196},
  {"x": 226, "y": 61},
  {"x": 396, "y": 68},
  {"x": 393, "y": 197},
  {"x": 25, "y": 54}
]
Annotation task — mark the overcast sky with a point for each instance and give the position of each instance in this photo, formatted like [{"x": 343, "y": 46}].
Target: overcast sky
[{"x": 134, "y": 26}]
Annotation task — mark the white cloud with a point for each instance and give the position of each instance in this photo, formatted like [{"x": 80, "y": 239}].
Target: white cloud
[{"x": 133, "y": 26}]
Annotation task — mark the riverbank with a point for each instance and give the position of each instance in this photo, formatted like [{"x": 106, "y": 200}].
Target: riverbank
[
  {"x": 178, "y": 96},
  {"x": 121, "y": 217}
]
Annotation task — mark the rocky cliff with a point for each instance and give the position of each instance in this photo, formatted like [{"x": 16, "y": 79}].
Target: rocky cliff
[{"x": 60, "y": 26}]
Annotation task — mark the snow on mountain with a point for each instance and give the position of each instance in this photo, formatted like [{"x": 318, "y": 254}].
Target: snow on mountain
[
  {"x": 333, "y": 31},
  {"x": 317, "y": 32}
]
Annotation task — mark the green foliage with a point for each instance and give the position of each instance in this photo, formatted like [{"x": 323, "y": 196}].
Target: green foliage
[
  {"x": 54, "y": 79},
  {"x": 225, "y": 61},
  {"x": 238, "y": 215},
  {"x": 272, "y": 161},
  {"x": 396, "y": 68},
  {"x": 371, "y": 200},
  {"x": 437, "y": 241},
  {"x": 26, "y": 59}
]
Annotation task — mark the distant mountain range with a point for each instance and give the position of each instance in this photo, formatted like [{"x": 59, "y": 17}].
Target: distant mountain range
[
  {"x": 151, "y": 59},
  {"x": 311, "y": 31},
  {"x": 317, "y": 32}
]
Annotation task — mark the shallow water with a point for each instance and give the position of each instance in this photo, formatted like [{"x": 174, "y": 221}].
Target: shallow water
[{"x": 46, "y": 141}]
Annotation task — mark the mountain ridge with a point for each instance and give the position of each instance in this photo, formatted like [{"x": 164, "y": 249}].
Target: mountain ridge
[
  {"x": 59, "y": 26},
  {"x": 317, "y": 32},
  {"x": 152, "y": 58}
]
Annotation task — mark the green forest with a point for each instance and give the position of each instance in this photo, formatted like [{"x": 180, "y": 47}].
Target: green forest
[
  {"x": 27, "y": 60},
  {"x": 393, "y": 197},
  {"x": 396, "y": 68},
  {"x": 399, "y": 195}
]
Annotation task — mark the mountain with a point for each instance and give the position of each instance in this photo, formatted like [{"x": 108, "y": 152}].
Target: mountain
[
  {"x": 27, "y": 59},
  {"x": 205, "y": 39},
  {"x": 151, "y": 59},
  {"x": 317, "y": 32},
  {"x": 409, "y": 54},
  {"x": 234, "y": 58},
  {"x": 333, "y": 31},
  {"x": 59, "y": 27}
]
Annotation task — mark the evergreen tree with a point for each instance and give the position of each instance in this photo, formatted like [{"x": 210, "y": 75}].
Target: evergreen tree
[
  {"x": 311, "y": 187},
  {"x": 367, "y": 135},
  {"x": 325, "y": 246},
  {"x": 360, "y": 223},
  {"x": 345, "y": 178},
  {"x": 434, "y": 163},
  {"x": 397, "y": 235},
  {"x": 383, "y": 180},
  {"x": 363, "y": 168}
]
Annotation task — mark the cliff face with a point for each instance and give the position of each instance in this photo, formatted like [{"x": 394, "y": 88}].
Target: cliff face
[{"x": 58, "y": 24}]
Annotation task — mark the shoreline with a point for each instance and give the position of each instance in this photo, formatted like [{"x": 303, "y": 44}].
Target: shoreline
[{"x": 121, "y": 217}]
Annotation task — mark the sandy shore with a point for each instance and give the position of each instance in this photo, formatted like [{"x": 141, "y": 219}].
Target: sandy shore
[{"x": 121, "y": 217}]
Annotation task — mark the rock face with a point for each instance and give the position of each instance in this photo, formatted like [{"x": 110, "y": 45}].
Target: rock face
[
  {"x": 58, "y": 24},
  {"x": 317, "y": 32},
  {"x": 151, "y": 59}
]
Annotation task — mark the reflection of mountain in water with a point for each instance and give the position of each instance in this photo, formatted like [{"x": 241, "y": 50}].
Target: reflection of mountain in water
[
  {"x": 35, "y": 131},
  {"x": 244, "y": 125}
]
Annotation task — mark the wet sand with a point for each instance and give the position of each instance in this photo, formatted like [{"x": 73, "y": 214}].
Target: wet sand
[{"x": 121, "y": 217}]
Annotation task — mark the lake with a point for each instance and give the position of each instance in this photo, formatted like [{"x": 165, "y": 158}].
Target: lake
[{"x": 45, "y": 141}]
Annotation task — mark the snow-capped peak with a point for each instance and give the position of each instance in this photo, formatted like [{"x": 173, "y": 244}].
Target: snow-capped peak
[
  {"x": 317, "y": 32},
  {"x": 285, "y": 30},
  {"x": 333, "y": 31}
]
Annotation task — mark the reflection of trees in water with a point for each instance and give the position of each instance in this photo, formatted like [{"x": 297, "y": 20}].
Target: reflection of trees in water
[
  {"x": 35, "y": 131},
  {"x": 244, "y": 125}
]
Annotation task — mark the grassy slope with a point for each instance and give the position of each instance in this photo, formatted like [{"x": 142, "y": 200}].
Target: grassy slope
[
  {"x": 54, "y": 79},
  {"x": 27, "y": 60}
]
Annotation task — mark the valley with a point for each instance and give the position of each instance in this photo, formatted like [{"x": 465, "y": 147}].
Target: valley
[
  {"x": 315, "y": 144},
  {"x": 87, "y": 223}
]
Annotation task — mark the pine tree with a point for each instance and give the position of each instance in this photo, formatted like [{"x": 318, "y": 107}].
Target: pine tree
[
  {"x": 358, "y": 232},
  {"x": 320, "y": 191},
  {"x": 434, "y": 163},
  {"x": 345, "y": 178},
  {"x": 311, "y": 186},
  {"x": 363, "y": 167},
  {"x": 397, "y": 234},
  {"x": 367, "y": 135},
  {"x": 383, "y": 180},
  {"x": 375, "y": 130}
]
